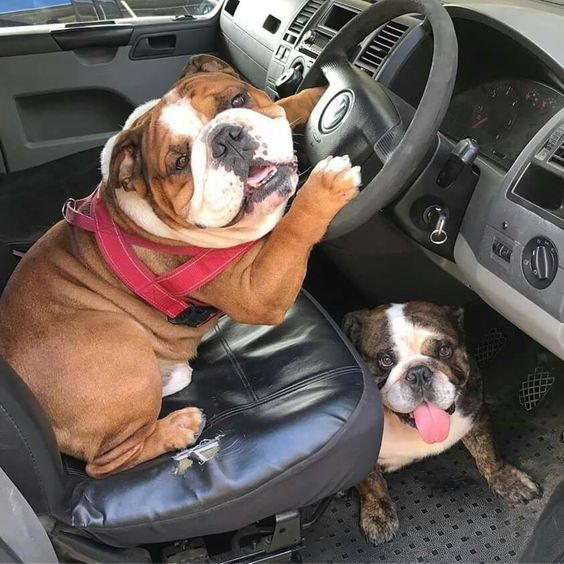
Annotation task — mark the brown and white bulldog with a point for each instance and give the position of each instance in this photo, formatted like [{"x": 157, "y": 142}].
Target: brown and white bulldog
[
  {"x": 210, "y": 164},
  {"x": 432, "y": 394}
]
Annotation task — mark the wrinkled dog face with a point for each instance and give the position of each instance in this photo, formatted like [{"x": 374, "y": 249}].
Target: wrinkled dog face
[
  {"x": 243, "y": 166},
  {"x": 211, "y": 163},
  {"x": 417, "y": 356}
]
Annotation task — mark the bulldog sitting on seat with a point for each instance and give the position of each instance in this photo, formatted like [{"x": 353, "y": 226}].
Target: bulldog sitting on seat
[{"x": 206, "y": 169}]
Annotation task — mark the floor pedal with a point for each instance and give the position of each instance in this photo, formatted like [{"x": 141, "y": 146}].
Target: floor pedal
[
  {"x": 489, "y": 347},
  {"x": 535, "y": 387}
]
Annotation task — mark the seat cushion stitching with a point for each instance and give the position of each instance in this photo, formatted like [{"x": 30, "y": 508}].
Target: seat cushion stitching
[
  {"x": 280, "y": 393},
  {"x": 237, "y": 366}
]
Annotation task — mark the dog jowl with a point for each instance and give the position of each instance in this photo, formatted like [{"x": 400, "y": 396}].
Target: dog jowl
[{"x": 433, "y": 397}]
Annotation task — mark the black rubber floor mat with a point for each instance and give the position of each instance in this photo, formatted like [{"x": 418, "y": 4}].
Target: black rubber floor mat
[{"x": 446, "y": 511}]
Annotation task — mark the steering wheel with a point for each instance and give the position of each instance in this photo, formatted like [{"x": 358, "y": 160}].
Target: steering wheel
[{"x": 360, "y": 117}]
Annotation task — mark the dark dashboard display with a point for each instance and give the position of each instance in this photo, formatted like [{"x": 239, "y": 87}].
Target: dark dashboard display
[
  {"x": 338, "y": 17},
  {"x": 502, "y": 116}
]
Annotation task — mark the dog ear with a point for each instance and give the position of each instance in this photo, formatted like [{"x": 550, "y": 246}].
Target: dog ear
[
  {"x": 457, "y": 314},
  {"x": 207, "y": 63},
  {"x": 352, "y": 324},
  {"x": 125, "y": 163}
]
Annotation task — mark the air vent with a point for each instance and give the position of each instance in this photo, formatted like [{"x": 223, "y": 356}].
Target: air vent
[
  {"x": 558, "y": 156},
  {"x": 301, "y": 20},
  {"x": 379, "y": 48}
]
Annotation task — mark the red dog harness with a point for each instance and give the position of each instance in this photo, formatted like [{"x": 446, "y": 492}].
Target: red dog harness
[{"x": 167, "y": 292}]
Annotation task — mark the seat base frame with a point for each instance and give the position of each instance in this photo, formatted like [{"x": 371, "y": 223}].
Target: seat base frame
[{"x": 277, "y": 538}]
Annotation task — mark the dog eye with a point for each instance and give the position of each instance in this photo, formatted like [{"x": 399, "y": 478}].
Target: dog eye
[
  {"x": 445, "y": 351},
  {"x": 385, "y": 361},
  {"x": 181, "y": 162},
  {"x": 239, "y": 101}
]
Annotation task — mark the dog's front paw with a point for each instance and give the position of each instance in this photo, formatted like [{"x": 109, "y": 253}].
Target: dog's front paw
[
  {"x": 314, "y": 95},
  {"x": 332, "y": 184},
  {"x": 337, "y": 178},
  {"x": 514, "y": 485},
  {"x": 182, "y": 428},
  {"x": 379, "y": 521}
]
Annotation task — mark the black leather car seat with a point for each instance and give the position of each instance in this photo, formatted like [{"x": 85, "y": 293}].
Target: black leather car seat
[
  {"x": 8, "y": 261},
  {"x": 298, "y": 418},
  {"x": 31, "y": 199}
]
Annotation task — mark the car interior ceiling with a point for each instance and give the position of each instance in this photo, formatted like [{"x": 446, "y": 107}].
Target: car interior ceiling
[{"x": 446, "y": 510}]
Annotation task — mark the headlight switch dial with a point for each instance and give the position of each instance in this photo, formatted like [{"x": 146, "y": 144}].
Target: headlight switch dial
[{"x": 540, "y": 262}]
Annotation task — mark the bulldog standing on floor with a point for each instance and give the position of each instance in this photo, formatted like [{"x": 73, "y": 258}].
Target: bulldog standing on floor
[
  {"x": 209, "y": 165},
  {"x": 433, "y": 397}
]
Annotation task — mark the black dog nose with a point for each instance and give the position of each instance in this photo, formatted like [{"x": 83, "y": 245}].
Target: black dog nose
[
  {"x": 419, "y": 376},
  {"x": 226, "y": 138}
]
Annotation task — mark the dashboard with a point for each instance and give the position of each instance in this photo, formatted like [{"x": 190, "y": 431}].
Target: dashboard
[
  {"x": 502, "y": 115},
  {"x": 503, "y": 95},
  {"x": 506, "y": 212}
]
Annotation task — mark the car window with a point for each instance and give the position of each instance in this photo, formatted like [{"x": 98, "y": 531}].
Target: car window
[{"x": 41, "y": 12}]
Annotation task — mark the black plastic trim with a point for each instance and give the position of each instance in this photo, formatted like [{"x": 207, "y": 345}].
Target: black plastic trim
[{"x": 81, "y": 37}]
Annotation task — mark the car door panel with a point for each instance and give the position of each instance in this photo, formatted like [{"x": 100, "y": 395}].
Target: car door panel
[{"x": 69, "y": 90}]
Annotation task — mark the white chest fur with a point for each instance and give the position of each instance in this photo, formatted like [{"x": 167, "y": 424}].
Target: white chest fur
[
  {"x": 402, "y": 444},
  {"x": 175, "y": 376}
]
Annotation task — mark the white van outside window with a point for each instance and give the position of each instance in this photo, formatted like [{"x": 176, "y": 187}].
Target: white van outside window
[{"x": 16, "y": 13}]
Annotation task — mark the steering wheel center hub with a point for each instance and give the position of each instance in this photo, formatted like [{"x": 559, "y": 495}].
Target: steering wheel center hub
[{"x": 336, "y": 111}]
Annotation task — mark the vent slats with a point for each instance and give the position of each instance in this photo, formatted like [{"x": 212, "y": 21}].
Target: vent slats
[
  {"x": 558, "y": 156},
  {"x": 301, "y": 20},
  {"x": 380, "y": 46},
  {"x": 374, "y": 58},
  {"x": 388, "y": 37},
  {"x": 385, "y": 42}
]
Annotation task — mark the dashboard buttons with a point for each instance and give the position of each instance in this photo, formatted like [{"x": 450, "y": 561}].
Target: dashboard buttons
[
  {"x": 551, "y": 143},
  {"x": 502, "y": 251},
  {"x": 282, "y": 53},
  {"x": 540, "y": 262}
]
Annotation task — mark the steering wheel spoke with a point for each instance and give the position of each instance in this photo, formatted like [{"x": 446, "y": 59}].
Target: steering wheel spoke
[{"x": 360, "y": 117}]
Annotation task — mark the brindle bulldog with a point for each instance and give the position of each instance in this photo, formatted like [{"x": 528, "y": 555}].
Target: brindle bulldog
[
  {"x": 432, "y": 394},
  {"x": 211, "y": 164}
]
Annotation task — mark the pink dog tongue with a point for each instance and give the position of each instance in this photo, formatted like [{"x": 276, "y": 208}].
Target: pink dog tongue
[
  {"x": 432, "y": 422},
  {"x": 258, "y": 173}
]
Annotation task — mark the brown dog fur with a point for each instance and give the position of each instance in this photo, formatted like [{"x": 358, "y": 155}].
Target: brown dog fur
[{"x": 90, "y": 349}]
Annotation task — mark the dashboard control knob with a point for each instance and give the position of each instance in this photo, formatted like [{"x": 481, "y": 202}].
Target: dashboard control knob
[
  {"x": 309, "y": 37},
  {"x": 288, "y": 83},
  {"x": 502, "y": 250},
  {"x": 540, "y": 262}
]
